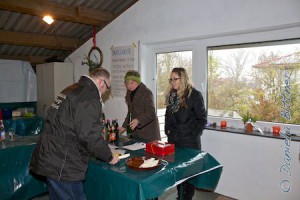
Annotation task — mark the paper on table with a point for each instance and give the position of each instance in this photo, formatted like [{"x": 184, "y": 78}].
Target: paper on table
[
  {"x": 149, "y": 163},
  {"x": 118, "y": 151},
  {"x": 112, "y": 146},
  {"x": 135, "y": 146},
  {"x": 124, "y": 156}
]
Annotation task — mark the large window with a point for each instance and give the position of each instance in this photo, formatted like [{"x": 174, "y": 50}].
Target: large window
[{"x": 262, "y": 79}]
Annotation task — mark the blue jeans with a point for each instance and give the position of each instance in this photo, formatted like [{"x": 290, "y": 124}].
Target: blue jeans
[{"x": 65, "y": 190}]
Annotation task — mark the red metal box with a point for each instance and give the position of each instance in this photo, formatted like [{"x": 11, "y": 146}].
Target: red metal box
[{"x": 160, "y": 148}]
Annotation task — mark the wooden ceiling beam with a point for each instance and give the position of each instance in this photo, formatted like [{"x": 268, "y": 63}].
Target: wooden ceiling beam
[
  {"x": 37, "y": 40},
  {"x": 34, "y": 60},
  {"x": 79, "y": 14},
  {"x": 86, "y": 12}
]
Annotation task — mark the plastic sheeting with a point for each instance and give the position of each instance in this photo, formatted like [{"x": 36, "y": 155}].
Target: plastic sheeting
[
  {"x": 104, "y": 181},
  {"x": 17, "y": 82},
  {"x": 16, "y": 182},
  {"x": 25, "y": 126}
]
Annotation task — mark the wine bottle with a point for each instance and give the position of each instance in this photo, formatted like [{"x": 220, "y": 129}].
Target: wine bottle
[
  {"x": 108, "y": 130},
  {"x": 112, "y": 135},
  {"x": 128, "y": 128},
  {"x": 103, "y": 118},
  {"x": 117, "y": 130}
]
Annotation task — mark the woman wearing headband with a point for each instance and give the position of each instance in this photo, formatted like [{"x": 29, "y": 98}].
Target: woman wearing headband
[{"x": 139, "y": 99}]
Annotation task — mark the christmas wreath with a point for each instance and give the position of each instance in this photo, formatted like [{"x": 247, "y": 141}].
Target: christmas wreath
[{"x": 94, "y": 59}]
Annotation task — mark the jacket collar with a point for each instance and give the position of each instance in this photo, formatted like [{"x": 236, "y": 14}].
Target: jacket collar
[
  {"x": 139, "y": 91},
  {"x": 138, "y": 94},
  {"x": 88, "y": 81}
]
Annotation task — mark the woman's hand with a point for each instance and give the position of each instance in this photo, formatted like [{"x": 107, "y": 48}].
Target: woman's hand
[{"x": 134, "y": 123}]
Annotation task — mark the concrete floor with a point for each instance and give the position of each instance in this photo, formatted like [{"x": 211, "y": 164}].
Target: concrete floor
[
  {"x": 199, "y": 195},
  {"x": 172, "y": 194}
]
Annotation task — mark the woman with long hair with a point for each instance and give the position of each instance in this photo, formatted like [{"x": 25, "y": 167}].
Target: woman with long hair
[{"x": 185, "y": 118}]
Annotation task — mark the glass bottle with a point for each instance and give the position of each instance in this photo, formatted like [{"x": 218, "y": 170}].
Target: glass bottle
[
  {"x": 2, "y": 131},
  {"x": 11, "y": 133},
  {"x": 117, "y": 130},
  {"x": 108, "y": 131},
  {"x": 128, "y": 128},
  {"x": 112, "y": 134},
  {"x": 103, "y": 118},
  {"x": 104, "y": 130}
]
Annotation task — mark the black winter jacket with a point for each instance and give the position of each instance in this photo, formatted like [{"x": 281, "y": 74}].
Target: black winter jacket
[
  {"x": 185, "y": 127},
  {"x": 71, "y": 133}
]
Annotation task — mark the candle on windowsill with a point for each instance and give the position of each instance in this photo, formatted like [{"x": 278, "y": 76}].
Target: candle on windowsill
[
  {"x": 223, "y": 124},
  {"x": 276, "y": 130}
]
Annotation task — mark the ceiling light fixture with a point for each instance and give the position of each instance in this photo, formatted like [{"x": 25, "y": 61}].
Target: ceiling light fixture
[{"x": 48, "y": 19}]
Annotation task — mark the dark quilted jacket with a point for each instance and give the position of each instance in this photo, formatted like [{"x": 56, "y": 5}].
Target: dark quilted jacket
[
  {"x": 185, "y": 127},
  {"x": 71, "y": 133}
]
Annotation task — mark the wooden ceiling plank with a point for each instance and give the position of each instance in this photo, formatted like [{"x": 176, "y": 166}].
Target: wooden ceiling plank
[
  {"x": 32, "y": 59},
  {"x": 37, "y": 40},
  {"x": 62, "y": 12},
  {"x": 87, "y": 12}
]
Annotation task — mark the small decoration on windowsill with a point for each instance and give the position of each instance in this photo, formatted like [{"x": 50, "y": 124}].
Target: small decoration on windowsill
[
  {"x": 248, "y": 122},
  {"x": 248, "y": 117}
]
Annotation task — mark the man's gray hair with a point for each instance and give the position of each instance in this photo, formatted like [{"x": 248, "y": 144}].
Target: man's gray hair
[{"x": 100, "y": 72}]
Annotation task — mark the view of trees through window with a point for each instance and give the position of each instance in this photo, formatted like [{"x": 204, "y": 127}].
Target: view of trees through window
[
  {"x": 165, "y": 63},
  {"x": 255, "y": 78}
]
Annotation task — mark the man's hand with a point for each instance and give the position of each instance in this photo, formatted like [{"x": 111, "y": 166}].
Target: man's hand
[
  {"x": 121, "y": 130},
  {"x": 114, "y": 160}
]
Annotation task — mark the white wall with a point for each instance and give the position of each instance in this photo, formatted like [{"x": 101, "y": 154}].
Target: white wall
[
  {"x": 152, "y": 22},
  {"x": 251, "y": 165}
]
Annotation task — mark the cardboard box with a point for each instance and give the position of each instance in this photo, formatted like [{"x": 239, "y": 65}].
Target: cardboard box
[{"x": 160, "y": 148}]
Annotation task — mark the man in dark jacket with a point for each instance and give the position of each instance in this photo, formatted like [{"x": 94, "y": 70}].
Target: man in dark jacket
[
  {"x": 139, "y": 99},
  {"x": 71, "y": 133}
]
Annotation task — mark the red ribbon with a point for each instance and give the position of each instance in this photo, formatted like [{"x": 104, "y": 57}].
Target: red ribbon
[{"x": 94, "y": 37}]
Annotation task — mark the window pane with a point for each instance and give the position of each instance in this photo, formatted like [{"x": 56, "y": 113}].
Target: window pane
[
  {"x": 165, "y": 63},
  {"x": 262, "y": 79}
]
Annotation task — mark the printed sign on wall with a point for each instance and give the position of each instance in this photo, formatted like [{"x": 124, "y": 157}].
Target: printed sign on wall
[{"x": 122, "y": 60}]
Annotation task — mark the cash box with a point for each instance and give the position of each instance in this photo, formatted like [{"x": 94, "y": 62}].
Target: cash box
[{"x": 160, "y": 148}]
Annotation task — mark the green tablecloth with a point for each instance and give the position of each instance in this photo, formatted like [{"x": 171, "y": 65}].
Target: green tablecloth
[
  {"x": 104, "y": 181},
  {"x": 15, "y": 180}
]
